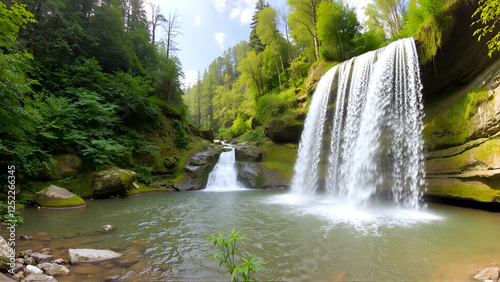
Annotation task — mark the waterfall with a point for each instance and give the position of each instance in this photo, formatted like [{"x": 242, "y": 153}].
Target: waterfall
[
  {"x": 362, "y": 133},
  {"x": 224, "y": 175}
]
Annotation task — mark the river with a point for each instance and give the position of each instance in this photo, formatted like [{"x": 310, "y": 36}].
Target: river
[{"x": 313, "y": 238}]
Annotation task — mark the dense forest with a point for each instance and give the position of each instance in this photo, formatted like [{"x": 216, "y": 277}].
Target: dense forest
[
  {"x": 69, "y": 85},
  {"x": 256, "y": 81}
]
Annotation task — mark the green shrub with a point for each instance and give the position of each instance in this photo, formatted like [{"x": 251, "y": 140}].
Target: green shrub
[
  {"x": 5, "y": 215},
  {"x": 144, "y": 174},
  {"x": 254, "y": 135},
  {"x": 239, "y": 126},
  {"x": 180, "y": 138},
  {"x": 269, "y": 106}
]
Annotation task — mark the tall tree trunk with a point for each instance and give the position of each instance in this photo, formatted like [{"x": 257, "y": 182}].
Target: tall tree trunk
[{"x": 315, "y": 33}]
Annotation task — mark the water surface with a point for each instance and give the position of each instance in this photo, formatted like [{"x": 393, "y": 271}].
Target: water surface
[{"x": 313, "y": 238}]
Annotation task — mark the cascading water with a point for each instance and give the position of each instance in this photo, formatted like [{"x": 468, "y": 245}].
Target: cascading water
[
  {"x": 224, "y": 175},
  {"x": 371, "y": 138}
]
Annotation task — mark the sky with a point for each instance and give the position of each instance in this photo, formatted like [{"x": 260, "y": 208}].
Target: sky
[{"x": 209, "y": 27}]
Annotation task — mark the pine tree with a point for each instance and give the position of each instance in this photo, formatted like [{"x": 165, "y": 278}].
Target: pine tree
[{"x": 255, "y": 42}]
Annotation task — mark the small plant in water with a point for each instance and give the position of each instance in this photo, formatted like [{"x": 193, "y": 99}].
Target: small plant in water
[{"x": 228, "y": 251}]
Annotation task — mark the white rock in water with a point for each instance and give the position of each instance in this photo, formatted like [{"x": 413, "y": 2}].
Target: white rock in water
[
  {"x": 107, "y": 227},
  {"x": 490, "y": 273},
  {"x": 88, "y": 255},
  {"x": 33, "y": 269}
]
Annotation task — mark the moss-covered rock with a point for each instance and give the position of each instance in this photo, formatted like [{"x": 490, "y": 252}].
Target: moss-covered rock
[
  {"x": 248, "y": 153},
  {"x": 113, "y": 181},
  {"x": 472, "y": 191},
  {"x": 64, "y": 166},
  {"x": 58, "y": 197},
  {"x": 285, "y": 129},
  {"x": 5, "y": 254}
]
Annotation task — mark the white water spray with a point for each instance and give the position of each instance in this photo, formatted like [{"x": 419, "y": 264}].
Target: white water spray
[{"x": 372, "y": 135}]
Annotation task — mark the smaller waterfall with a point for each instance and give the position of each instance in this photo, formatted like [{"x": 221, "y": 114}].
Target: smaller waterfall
[{"x": 223, "y": 177}]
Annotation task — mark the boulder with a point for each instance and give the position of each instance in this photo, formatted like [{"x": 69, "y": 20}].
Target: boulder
[
  {"x": 58, "y": 197},
  {"x": 65, "y": 166},
  {"x": 250, "y": 175},
  {"x": 248, "y": 153},
  {"x": 35, "y": 277},
  {"x": 53, "y": 268},
  {"x": 490, "y": 273},
  {"x": 41, "y": 257},
  {"x": 5, "y": 254},
  {"x": 91, "y": 255},
  {"x": 113, "y": 181}
]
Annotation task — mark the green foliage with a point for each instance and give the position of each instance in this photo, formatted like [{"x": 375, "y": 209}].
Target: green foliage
[
  {"x": 7, "y": 214},
  {"x": 337, "y": 25},
  {"x": 240, "y": 126},
  {"x": 180, "y": 138},
  {"x": 229, "y": 252},
  {"x": 271, "y": 105},
  {"x": 144, "y": 173},
  {"x": 11, "y": 21},
  {"x": 488, "y": 12},
  {"x": 254, "y": 136}
]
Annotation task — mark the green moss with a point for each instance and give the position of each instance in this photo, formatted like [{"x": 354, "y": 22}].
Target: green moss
[
  {"x": 466, "y": 192},
  {"x": 71, "y": 202},
  {"x": 144, "y": 189},
  {"x": 452, "y": 126},
  {"x": 280, "y": 157},
  {"x": 285, "y": 170},
  {"x": 82, "y": 185},
  {"x": 435, "y": 31}
]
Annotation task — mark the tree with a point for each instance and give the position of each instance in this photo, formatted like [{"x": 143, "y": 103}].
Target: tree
[
  {"x": 302, "y": 20},
  {"x": 157, "y": 19},
  {"x": 488, "y": 12},
  {"x": 270, "y": 36},
  {"x": 255, "y": 43},
  {"x": 250, "y": 69},
  {"x": 172, "y": 28},
  {"x": 388, "y": 15},
  {"x": 337, "y": 25}
]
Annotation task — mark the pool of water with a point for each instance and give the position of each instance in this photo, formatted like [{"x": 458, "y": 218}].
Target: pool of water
[{"x": 300, "y": 238}]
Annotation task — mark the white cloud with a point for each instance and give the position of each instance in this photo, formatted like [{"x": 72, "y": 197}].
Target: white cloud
[
  {"x": 246, "y": 16},
  {"x": 219, "y": 37},
  {"x": 220, "y": 5},
  {"x": 190, "y": 78},
  {"x": 197, "y": 20},
  {"x": 235, "y": 12},
  {"x": 243, "y": 11}
]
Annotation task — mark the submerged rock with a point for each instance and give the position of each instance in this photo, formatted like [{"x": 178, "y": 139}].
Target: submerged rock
[
  {"x": 53, "y": 268},
  {"x": 490, "y": 273},
  {"x": 91, "y": 255},
  {"x": 113, "y": 181},
  {"x": 41, "y": 258},
  {"x": 58, "y": 197}
]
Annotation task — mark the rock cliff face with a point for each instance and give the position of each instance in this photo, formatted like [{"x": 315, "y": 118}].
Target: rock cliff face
[{"x": 462, "y": 107}]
